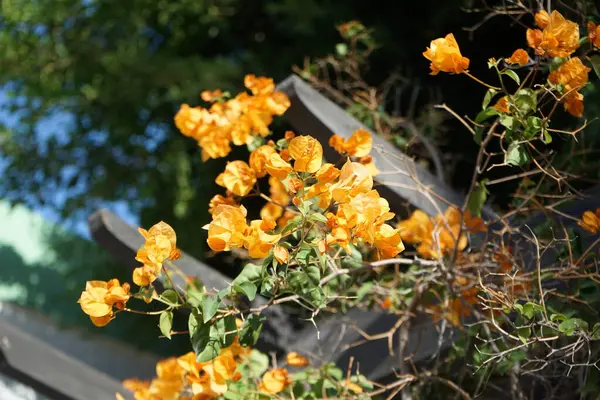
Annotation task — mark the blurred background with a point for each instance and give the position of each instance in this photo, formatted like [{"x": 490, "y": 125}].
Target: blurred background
[{"x": 89, "y": 88}]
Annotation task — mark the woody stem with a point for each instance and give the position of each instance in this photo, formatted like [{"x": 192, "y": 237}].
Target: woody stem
[{"x": 480, "y": 81}]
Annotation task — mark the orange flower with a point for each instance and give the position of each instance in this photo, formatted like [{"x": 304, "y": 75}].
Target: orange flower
[
  {"x": 271, "y": 211},
  {"x": 594, "y": 33},
  {"x": 99, "y": 298},
  {"x": 259, "y": 85},
  {"x": 226, "y": 231},
  {"x": 211, "y": 95},
  {"x": 417, "y": 228},
  {"x": 281, "y": 254},
  {"x": 519, "y": 56},
  {"x": 327, "y": 173},
  {"x": 285, "y": 218},
  {"x": 307, "y": 152},
  {"x": 236, "y": 120},
  {"x": 238, "y": 177},
  {"x": 590, "y": 221},
  {"x": 354, "y": 179},
  {"x": 559, "y": 38},
  {"x": 160, "y": 245},
  {"x": 296, "y": 360},
  {"x": 218, "y": 200},
  {"x": 388, "y": 242},
  {"x": 542, "y": 19},
  {"x": 337, "y": 142},
  {"x": 445, "y": 56},
  {"x": 474, "y": 224},
  {"x": 258, "y": 242},
  {"x": 502, "y": 105},
  {"x": 295, "y": 185},
  {"x": 572, "y": 74},
  {"x": 386, "y": 303},
  {"x": 277, "y": 167},
  {"x": 259, "y": 158},
  {"x": 574, "y": 104},
  {"x": 289, "y": 135},
  {"x": 357, "y": 145},
  {"x": 275, "y": 381}
]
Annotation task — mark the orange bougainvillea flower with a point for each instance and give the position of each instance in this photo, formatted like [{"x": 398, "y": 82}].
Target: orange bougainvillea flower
[
  {"x": 167, "y": 385},
  {"x": 218, "y": 200},
  {"x": 296, "y": 360},
  {"x": 257, "y": 241},
  {"x": 275, "y": 381},
  {"x": 259, "y": 158},
  {"x": 327, "y": 173},
  {"x": 590, "y": 221},
  {"x": 559, "y": 37},
  {"x": 519, "y": 56},
  {"x": 357, "y": 145},
  {"x": 388, "y": 242},
  {"x": 445, "y": 56},
  {"x": 353, "y": 387},
  {"x": 573, "y": 104},
  {"x": 236, "y": 120},
  {"x": 99, "y": 298},
  {"x": 502, "y": 105},
  {"x": 211, "y": 95},
  {"x": 594, "y": 33},
  {"x": 226, "y": 231},
  {"x": 572, "y": 74},
  {"x": 542, "y": 19},
  {"x": 238, "y": 177},
  {"x": 354, "y": 179},
  {"x": 307, "y": 152},
  {"x": 281, "y": 254},
  {"x": 160, "y": 245},
  {"x": 278, "y": 167}
]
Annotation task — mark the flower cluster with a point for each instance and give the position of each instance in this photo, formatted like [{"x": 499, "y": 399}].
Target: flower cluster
[
  {"x": 160, "y": 246},
  {"x": 352, "y": 211},
  {"x": 186, "y": 379},
  {"x": 101, "y": 300},
  {"x": 439, "y": 235},
  {"x": 590, "y": 221},
  {"x": 236, "y": 120},
  {"x": 556, "y": 37}
]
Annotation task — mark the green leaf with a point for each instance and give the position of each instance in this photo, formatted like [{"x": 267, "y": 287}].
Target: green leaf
[
  {"x": 518, "y": 307},
  {"x": 205, "y": 345},
  {"x": 170, "y": 296},
  {"x": 258, "y": 363},
  {"x": 210, "y": 305},
  {"x": 318, "y": 217},
  {"x": 556, "y": 62},
  {"x": 529, "y": 309},
  {"x": 246, "y": 288},
  {"x": 524, "y": 333},
  {"x": 596, "y": 331},
  {"x": 572, "y": 325},
  {"x": 194, "y": 296},
  {"x": 533, "y": 127},
  {"x": 508, "y": 121},
  {"x": 364, "y": 290},
  {"x": 477, "y": 199},
  {"x": 547, "y": 138},
  {"x": 557, "y": 317},
  {"x": 489, "y": 95},
  {"x": 512, "y": 75},
  {"x": 226, "y": 330},
  {"x": 516, "y": 154},
  {"x": 194, "y": 321},
  {"x": 595, "y": 61},
  {"x": 526, "y": 101},
  {"x": 486, "y": 114},
  {"x": 165, "y": 323},
  {"x": 250, "y": 330},
  {"x": 493, "y": 63},
  {"x": 352, "y": 260},
  {"x": 292, "y": 225}
]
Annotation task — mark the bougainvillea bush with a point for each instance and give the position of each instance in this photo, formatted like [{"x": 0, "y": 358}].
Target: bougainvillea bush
[{"x": 524, "y": 325}]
